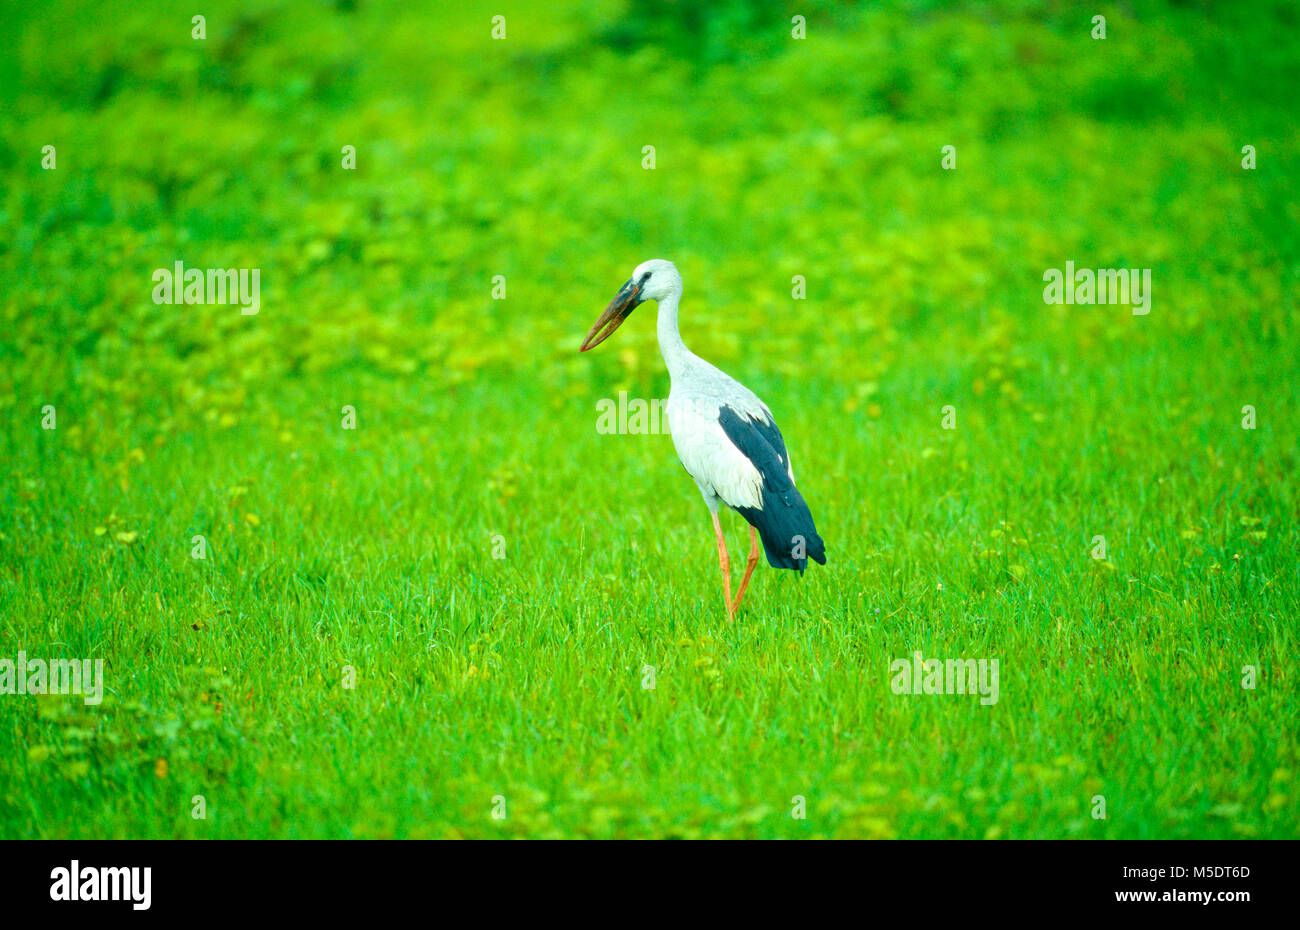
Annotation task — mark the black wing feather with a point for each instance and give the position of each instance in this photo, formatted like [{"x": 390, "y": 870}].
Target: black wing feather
[{"x": 784, "y": 517}]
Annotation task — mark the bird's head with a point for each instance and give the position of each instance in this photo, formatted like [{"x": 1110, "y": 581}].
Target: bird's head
[{"x": 652, "y": 280}]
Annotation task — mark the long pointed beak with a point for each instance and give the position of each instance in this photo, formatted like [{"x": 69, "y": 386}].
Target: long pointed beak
[{"x": 619, "y": 308}]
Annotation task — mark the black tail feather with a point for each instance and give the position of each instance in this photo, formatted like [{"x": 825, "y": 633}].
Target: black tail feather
[{"x": 786, "y": 527}]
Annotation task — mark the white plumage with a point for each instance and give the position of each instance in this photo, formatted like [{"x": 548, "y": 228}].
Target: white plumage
[{"x": 721, "y": 470}]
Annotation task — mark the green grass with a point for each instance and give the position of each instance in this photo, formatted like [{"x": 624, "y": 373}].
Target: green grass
[{"x": 521, "y": 676}]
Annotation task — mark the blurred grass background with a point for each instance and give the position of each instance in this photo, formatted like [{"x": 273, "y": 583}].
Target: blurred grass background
[{"x": 522, "y": 158}]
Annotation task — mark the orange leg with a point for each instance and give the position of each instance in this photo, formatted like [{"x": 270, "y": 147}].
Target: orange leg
[
  {"x": 724, "y": 561},
  {"x": 749, "y": 567}
]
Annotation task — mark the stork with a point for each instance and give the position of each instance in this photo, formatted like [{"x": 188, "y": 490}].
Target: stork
[{"x": 725, "y": 437}]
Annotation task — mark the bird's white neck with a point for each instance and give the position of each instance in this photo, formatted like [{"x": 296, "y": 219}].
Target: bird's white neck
[{"x": 671, "y": 346}]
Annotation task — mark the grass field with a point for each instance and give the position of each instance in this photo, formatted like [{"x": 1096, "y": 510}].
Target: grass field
[{"x": 446, "y": 614}]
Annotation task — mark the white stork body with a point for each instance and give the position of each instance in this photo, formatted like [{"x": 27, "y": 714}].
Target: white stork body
[
  {"x": 722, "y": 472},
  {"x": 725, "y": 436}
]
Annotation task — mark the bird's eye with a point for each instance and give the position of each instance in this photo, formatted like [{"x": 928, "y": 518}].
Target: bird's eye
[{"x": 644, "y": 278}]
